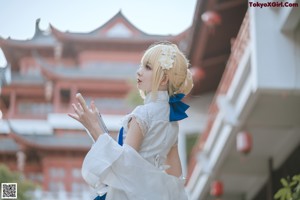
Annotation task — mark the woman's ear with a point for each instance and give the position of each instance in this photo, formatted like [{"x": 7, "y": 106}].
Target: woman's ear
[{"x": 164, "y": 80}]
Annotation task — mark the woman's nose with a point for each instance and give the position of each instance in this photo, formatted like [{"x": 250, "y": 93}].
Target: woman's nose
[{"x": 139, "y": 71}]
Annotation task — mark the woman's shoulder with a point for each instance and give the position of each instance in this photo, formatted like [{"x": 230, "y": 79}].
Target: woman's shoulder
[
  {"x": 153, "y": 109},
  {"x": 140, "y": 112},
  {"x": 145, "y": 108},
  {"x": 141, "y": 109}
]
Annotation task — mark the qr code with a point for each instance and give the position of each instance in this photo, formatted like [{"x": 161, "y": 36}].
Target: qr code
[{"x": 8, "y": 190}]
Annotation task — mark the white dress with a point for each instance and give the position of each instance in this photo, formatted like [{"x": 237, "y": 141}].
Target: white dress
[{"x": 132, "y": 175}]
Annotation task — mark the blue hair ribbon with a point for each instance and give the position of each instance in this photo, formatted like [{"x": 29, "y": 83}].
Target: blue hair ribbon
[{"x": 177, "y": 108}]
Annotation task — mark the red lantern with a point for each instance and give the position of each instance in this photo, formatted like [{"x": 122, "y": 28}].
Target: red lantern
[
  {"x": 244, "y": 142},
  {"x": 216, "y": 189},
  {"x": 211, "y": 18},
  {"x": 198, "y": 73}
]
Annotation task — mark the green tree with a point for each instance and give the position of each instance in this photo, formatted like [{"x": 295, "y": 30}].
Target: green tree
[
  {"x": 23, "y": 186},
  {"x": 290, "y": 189},
  {"x": 133, "y": 97}
]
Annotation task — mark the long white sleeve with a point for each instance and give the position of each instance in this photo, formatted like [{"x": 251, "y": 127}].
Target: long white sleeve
[{"x": 127, "y": 174}]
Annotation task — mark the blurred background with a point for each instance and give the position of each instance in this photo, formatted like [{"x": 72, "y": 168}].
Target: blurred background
[{"x": 243, "y": 131}]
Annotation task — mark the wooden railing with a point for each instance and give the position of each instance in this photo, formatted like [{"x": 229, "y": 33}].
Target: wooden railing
[{"x": 238, "y": 47}]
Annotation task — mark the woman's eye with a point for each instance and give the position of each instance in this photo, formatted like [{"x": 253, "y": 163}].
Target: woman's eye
[{"x": 148, "y": 67}]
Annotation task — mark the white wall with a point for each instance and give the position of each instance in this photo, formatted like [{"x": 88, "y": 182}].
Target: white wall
[{"x": 275, "y": 51}]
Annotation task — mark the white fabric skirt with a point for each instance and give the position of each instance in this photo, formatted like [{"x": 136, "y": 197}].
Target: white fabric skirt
[{"x": 127, "y": 174}]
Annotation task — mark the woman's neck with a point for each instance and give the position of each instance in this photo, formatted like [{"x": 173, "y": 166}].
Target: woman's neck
[{"x": 161, "y": 95}]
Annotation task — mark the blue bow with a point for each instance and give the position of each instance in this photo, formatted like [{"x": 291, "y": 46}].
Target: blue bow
[
  {"x": 177, "y": 108},
  {"x": 101, "y": 197}
]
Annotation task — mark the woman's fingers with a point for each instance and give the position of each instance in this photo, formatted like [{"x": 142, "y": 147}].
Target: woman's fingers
[
  {"x": 75, "y": 108},
  {"x": 76, "y": 114},
  {"x": 73, "y": 116},
  {"x": 82, "y": 112},
  {"x": 93, "y": 107},
  {"x": 79, "y": 107},
  {"x": 81, "y": 101}
]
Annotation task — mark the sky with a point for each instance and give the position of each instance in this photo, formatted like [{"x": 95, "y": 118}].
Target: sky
[{"x": 17, "y": 17}]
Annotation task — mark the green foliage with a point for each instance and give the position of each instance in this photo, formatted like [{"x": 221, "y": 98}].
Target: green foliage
[
  {"x": 7, "y": 176},
  {"x": 290, "y": 189},
  {"x": 133, "y": 97},
  {"x": 191, "y": 140}
]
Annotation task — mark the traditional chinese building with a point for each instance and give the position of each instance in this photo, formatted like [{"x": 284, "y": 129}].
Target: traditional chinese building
[
  {"x": 251, "y": 139},
  {"x": 5, "y": 77},
  {"x": 36, "y": 135},
  {"x": 244, "y": 121}
]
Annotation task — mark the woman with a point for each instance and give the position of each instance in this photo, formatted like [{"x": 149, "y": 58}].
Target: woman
[{"x": 147, "y": 166}]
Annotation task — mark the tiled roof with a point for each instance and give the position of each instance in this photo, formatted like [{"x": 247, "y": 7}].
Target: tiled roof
[
  {"x": 95, "y": 70},
  {"x": 50, "y": 38},
  {"x": 102, "y": 70},
  {"x": 43, "y": 39},
  {"x": 65, "y": 141},
  {"x": 102, "y": 32},
  {"x": 8, "y": 145},
  {"x": 18, "y": 78}
]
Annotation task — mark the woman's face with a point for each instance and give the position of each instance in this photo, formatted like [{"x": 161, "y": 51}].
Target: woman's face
[{"x": 144, "y": 78}]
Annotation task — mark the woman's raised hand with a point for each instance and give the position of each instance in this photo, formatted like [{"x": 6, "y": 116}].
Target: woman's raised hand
[{"x": 88, "y": 117}]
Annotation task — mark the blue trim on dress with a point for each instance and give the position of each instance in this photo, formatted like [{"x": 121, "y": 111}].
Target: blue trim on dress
[{"x": 120, "y": 142}]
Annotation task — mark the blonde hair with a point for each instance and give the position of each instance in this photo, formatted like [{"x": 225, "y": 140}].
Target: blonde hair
[{"x": 180, "y": 77}]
